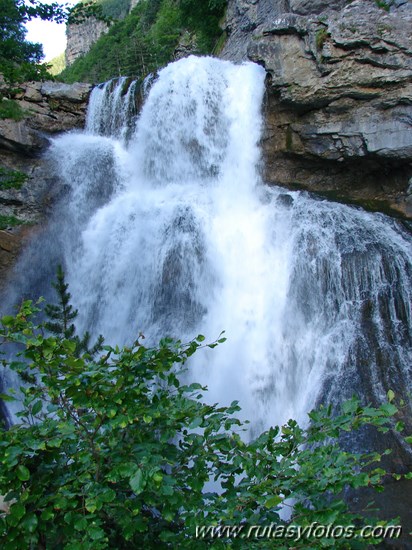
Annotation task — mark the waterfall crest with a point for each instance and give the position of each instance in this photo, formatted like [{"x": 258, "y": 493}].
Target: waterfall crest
[
  {"x": 167, "y": 229},
  {"x": 113, "y": 108}
]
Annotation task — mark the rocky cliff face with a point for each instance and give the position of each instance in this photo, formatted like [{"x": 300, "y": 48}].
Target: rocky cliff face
[
  {"x": 338, "y": 117},
  {"x": 48, "y": 108},
  {"x": 81, "y": 37},
  {"x": 339, "y": 94}
]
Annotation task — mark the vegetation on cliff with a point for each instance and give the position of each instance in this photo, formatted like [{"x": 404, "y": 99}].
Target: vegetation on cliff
[
  {"x": 136, "y": 44},
  {"x": 116, "y": 451},
  {"x": 10, "y": 109},
  {"x": 147, "y": 38},
  {"x": 21, "y": 60},
  {"x": 57, "y": 64},
  {"x": 115, "y": 9}
]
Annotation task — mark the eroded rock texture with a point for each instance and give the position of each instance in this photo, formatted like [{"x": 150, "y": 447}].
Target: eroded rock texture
[
  {"x": 48, "y": 108},
  {"x": 338, "y": 120},
  {"x": 339, "y": 94},
  {"x": 82, "y": 36}
]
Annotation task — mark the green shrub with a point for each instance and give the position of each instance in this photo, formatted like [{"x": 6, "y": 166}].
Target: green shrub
[
  {"x": 9, "y": 221},
  {"x": 321, "y": 37},
  {"x": 384, "y": 4},
  {"x": 118, "y": 452},
  {"x": 11, "y": 179},
  {"x": 10, "y": 109},
  {"x": 146, "y": 39},
  {"x": 117, "y": 9}
]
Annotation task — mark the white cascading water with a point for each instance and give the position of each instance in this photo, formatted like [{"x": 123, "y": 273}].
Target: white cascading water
[
  {"x": 115, "y": 101},
  {"x": 170, "y": 231}
]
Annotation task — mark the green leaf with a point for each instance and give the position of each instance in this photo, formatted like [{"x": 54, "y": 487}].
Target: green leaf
[
  {"x": 390, "y": 395},
  {"x": 30, "y": 523},
  {"x": 196, "y": 422},
  {"x": 137, "y": 482},
  {"x": 61, "y": 503},
  {"x": 69, "y": 346},
  {"x": 167, "y": 490},
  {"x": 127, "y": 469},
  {"x": 90, "y": 505},
  {"x": 47, "y": 514},
  {"x": 17, "y": 511},
  {"x": 37, "y": 407},
  {"x": 273, "y": 501},
  {"x": 95, "y": 533},
  {"x": 7, "y": 397},
  {"x": 68, "y": 517},
  {"x": 7, "y": 320},
  {"x": 389, "y": 409},
  {"x": 350, "y": 406},
  {"x": 23, "y": 473},
  {"x": 56, "y": 442},
  {"x": 80, "y": 524},
  {"x": 108, "y": 495}
]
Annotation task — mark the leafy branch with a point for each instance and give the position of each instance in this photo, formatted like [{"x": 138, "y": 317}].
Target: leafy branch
[{"x": 115, "y": 450}]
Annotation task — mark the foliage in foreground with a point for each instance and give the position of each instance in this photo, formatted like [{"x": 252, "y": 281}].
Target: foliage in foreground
[{"x": 116, "y": 452}]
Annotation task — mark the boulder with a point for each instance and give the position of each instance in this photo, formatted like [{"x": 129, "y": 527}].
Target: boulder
[
  {"x": 48, "y": 108},
  {"x": 77, "y": 93},
  {"x": 17, "y": 135}
]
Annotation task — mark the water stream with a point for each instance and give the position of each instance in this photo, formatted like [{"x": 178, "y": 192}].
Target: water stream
[{"x": 165, "y": 227}]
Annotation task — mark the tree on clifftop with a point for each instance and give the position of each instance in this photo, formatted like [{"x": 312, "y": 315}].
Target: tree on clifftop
[{"x": 19, "y": 59}]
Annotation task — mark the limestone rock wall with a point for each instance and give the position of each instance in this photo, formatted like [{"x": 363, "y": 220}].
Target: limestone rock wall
[
  {"x": 339, "y": 94},
  {"x": 49, "y": 108},
  {"x": 81, "y": 37}
]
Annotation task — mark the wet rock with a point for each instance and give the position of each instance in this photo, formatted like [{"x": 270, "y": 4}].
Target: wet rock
[
  {"x": 186, "y": 46},
  {"x": 47, "y": 108},
  {"x": 285, "y": 200}
]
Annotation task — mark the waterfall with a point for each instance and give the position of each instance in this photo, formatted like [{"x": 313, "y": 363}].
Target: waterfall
[
  {"x": 165, "y": 227},
  {"x": 113, "y": 108}
]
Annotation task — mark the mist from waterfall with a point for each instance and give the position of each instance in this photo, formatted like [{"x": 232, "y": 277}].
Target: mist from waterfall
[{"x": 165, "y": 227}]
